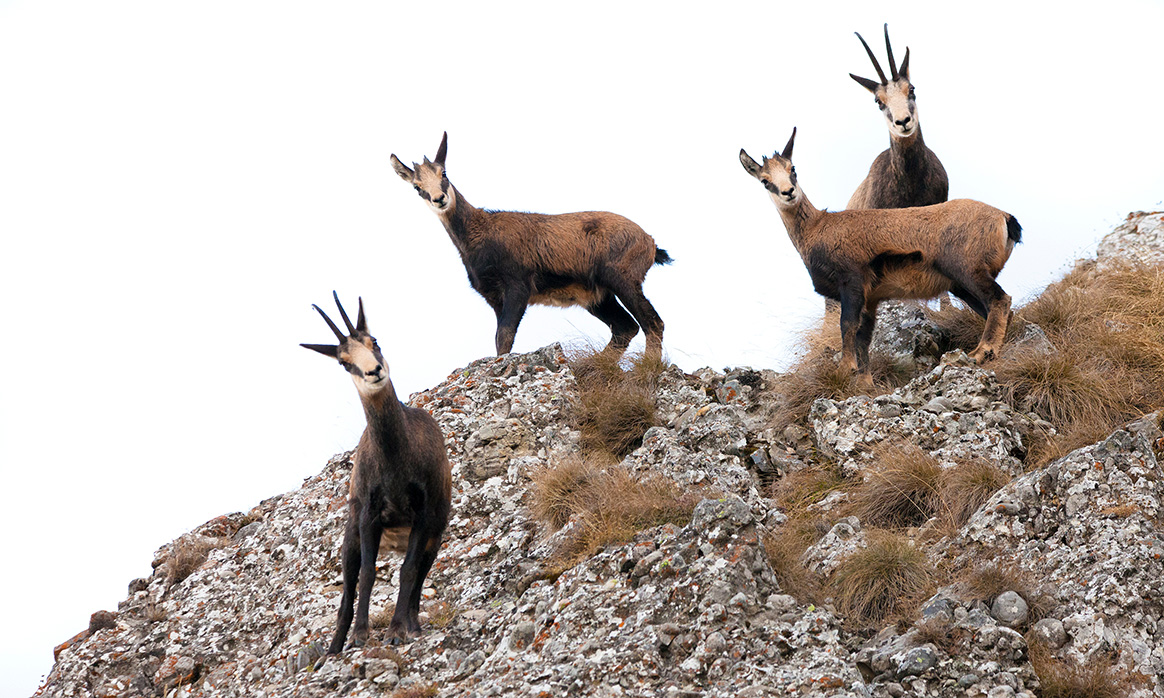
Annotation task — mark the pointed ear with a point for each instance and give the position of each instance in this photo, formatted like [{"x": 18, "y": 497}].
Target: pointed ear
[
  {"x": 361, "y": 321},
  {"x": 787, "y": 153},
  {"x": 750, "y": 165},
  {"x": 904, "y": 69},
  {"x": 443, "y": 150},
  {"x": 401, "y": 169},
  {"x": 325, "y": 349},
  {"x": 868, "y": 84}
]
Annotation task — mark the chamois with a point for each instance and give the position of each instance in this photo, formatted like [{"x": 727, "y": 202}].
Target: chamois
[
  {"x": 863, "y": 257},
  {"x": 400, "y": 487},
  {"x": 593, "y": 259},
  {"x": 908, "y": 173}
]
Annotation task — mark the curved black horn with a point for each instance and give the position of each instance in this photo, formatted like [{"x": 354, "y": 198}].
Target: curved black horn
[
  {"x": 330, "y": 324},
  {"x": 351, "y": 330},
  {"x": 876, "y": 65},
  {"x": 904, "y": 69},
  {"x": 443, "y": 150},
  {"x": 889, "y": 50},
  {"x": 787, "y": 152},
  {"x": 361, "y": 321}
]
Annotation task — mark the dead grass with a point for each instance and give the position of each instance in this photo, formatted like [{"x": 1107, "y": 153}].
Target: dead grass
[
  {"x": 611, "y": 504},
  {"x": 383, "y": 617},
  {"x": 1062, "y": 678},
  {"x": 427, "y": 690},
  {"x": 944, "y": 635},
  {"x": 1108, "y": 329},
  {"x": 964, "y": 488},
  {"x": 798, "y": 490},
  {"x": 441, "y": 614},
  {"x": 985, "y": 583},
  {"x": 616, "y": 406},
  {"x": 818, "y": 375},
  {"x": 188, "y": 555},
  {"x": 885, "y": 580},
  {"x": 155, "y": 613}
]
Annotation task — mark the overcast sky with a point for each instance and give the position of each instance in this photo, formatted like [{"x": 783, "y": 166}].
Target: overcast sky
[{"x": 180, "y": 182}]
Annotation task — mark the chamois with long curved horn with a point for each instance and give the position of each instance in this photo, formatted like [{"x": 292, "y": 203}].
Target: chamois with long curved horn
[
  {"x": 863, "y": 257},
  {"x": 593, "y": 259},
  {"x": 400, "y": 488},
  {"x": 908, "y": 173}
]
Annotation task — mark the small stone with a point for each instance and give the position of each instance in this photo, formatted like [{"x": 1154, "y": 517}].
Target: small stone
[
  {"x": 1009, "y": 609},
  {"x": 917, "y": 661},
  {"x": 967, "y": 680},
  {"x": 1051, "y": 632},
  {"x": 895, "y": 689},
  {"x": 102, "y": 620},
  {"x": 523, "y": 634}
]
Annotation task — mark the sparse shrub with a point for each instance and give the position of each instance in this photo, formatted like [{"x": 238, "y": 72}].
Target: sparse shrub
[
  {"x": 1099, "y": 677},
  {"x": 611, "y": 503},
  {"x": 901, "y": 490},
  {"x": 188, "y": 555},
  {"x": 886, "y": 579},
  {"x": 616, "y": 407},
  {"x": 155, "y": 613},
  {"x": 966, "y": 487}
]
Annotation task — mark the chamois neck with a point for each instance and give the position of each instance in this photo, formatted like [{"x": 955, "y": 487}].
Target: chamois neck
[
  {"x": 907, "y": 153},
  {"x": 796, "y": 217},
  {"x": 456, "y": 220},
  {"x": 385, "y": 416}
]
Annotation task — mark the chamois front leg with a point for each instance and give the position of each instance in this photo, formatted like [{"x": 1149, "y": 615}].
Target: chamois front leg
[
  {"x": 351, "y": 570},
  {"x": 370, "y": 530},
  {"x": 417, "y": 561},
  {"x": 863, "y": 339},
  {"x": 852, "y": 304},
  {"x": 514, "y": 302}
]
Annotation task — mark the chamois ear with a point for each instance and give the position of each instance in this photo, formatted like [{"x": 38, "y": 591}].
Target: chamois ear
[
  {"x": 904, "y": 69},
  {"x": 787, "y": 152},
  {"x": 442, "y": 150},
  {"x": 752, "y": 167},
  {"x": 361, "y": 321},
  {"x": 868, "y": 84},
  {"x": 401, "y": 169},
  {"x": 325, "y": 349}
]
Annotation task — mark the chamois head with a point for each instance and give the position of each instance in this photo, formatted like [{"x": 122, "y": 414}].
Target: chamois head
[
  {"x": 357, "y": 352},
  {"x": 776, "y": 174},
  {"x": 894, "y": 96},
  {"x": 429, "y": 178}
]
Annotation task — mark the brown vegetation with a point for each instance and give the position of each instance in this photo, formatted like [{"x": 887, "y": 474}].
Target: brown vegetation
[
  {"x": 887, "y": 579},
  {"x": 1099, "y": 677},
  {"x": 427, "y": 690},
  {"x": 188, "y": 555},
  {"x": 610, "y": 504},
  {"x": 985, "y": 582},
  {"x": 615, "y": 407}
]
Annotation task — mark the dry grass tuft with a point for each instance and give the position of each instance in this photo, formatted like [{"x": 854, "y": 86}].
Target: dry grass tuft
[
  {"x": 616, "y": 407},
  {"x": 441, "y": 614},
  {"x": 798, "y": 490},
  {"x": 951, "y": 640},
  {"x": 984, "y": 583},
  {"x": 818, "y": 375},
  {"x": 427, "y": 690},
  {"x": 966, "y": 487},
  {"x": 1061, "y": 678},
  {"x": 155, "y": 613},
  {"x": 383, "y": 617},
  {"x": 887, "y": 579},
  {"x": 188, "y": 555},
  {"x": 902, "y": 490},
  {"x": 611, "y": 504},
  {"x": 1108, "y": 329}
]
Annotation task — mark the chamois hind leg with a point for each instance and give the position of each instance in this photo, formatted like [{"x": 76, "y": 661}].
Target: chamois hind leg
[
  {"x": 623, "y": 327},
  {"x": 428, "y": 554},
  {"x": 516, "y": 300},
  {"x": 987, "y": 296},
  {"x": 852, "y": 306},
  {"x": 631, "y": 295},
  {"x": 862, "y": 340},
  {"x": 370, "y": 530},
  {"x": 970, "y": 300},
  {"x": 351, "y": 570}
]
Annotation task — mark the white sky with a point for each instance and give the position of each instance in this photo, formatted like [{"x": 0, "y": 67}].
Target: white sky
[{"x": 179, "y": 182}]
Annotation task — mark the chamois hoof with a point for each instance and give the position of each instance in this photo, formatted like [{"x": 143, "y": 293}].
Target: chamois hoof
[
  {"x": 981, "y": 356},
  {"x": 864, "y": 381}
]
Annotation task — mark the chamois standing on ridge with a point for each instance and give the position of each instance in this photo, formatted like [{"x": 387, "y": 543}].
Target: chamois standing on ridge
[
  {"x": 400, "y": 487},
  {"x": 593, "y": 259},
  {"x": 908, "y": 173},
  {"x": 863, "y": 257}
]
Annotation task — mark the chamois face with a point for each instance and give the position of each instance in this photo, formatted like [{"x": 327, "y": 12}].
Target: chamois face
[
  {"x": 357, "y": 352},
  {"x": 430, "y": 179},
  {"x": 894, "y": 95},
  {"x": 776, "y": 174}
]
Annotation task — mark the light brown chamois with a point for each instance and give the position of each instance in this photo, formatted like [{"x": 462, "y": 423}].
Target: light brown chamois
[
  {"x": 593, "y": 259},
  {"x": 861, "y": 258},
  {"x": 908, "y": 173},
  {"x": 400, "y": 487}
]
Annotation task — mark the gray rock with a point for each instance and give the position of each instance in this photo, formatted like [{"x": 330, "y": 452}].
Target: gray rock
[
  {"x": 1050, "y": 632},
  {"x": 1139, "y": 239},
  {"x": 918, "y": 661},
  {"x": 1009, "y": 609}
]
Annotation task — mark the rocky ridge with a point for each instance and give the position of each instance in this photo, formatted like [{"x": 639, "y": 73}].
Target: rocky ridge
[{"x": 678, "y": 610}]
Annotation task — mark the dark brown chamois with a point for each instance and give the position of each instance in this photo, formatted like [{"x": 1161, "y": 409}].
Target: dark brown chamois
[
  {"x": 400, "y": 487},
  {"x": 908, "y": 173},
  {"x": 593, "y": 259},
  {"x": 861, "y": 258}
]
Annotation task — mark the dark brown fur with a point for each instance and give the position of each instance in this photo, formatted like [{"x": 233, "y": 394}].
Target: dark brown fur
[
  {"x": 593, "y": 259},
  {"x": 400, "y": 485}
]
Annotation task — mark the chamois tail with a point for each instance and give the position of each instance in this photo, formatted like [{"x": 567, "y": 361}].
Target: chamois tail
[
  {"x": 661, "y": 256},
  {"x": 1014, "y": 231}
]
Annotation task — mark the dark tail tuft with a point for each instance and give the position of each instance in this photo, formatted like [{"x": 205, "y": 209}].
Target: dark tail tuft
[
  {"x": 661, "y": 256},
  {"x": 1014, "y": 231}
]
